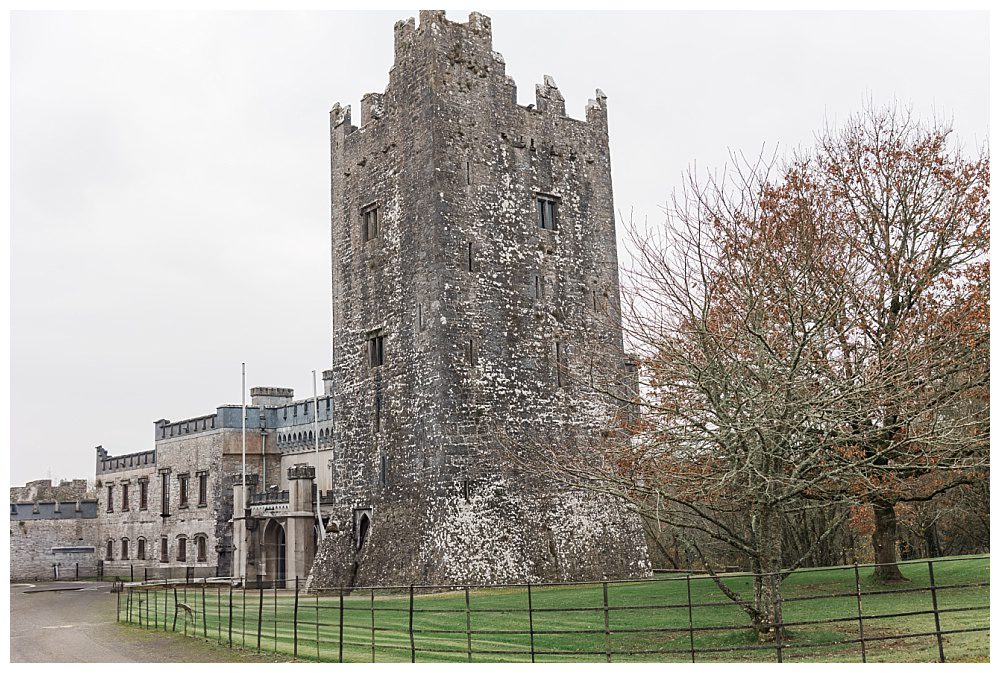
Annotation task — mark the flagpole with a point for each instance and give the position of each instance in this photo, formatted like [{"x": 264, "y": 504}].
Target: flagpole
[
  {"x": 243, "y": 514},
  {"x": 319, "y": 518}
]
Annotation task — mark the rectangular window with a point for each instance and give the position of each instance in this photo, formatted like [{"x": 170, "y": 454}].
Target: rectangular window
[
  {"x": 164, "y": 550},
  {"x": 471, "y": 352},
  {"x": 376, "y": 350},
  {"x": 202, "y": 489},
  {"x": 182, "y": 485},
  {"x": 546, "y": 208},
  {"x": 124, "y": 497},
  {"x": 369, "y": 222},
  {"x": 165, "y": 494},
  {"x": 538, "y": 287},
  {"x": 384, "y": 471},
  {"x": 143, "y": 493},
  {"x": 470, "y": 268},
  {"x": 182, "y": 549},
  {"x": 378, "y": 410},
  {"x": 202, "y": 543},
  {"x": 140, "y": 549},
  {"x": 559, "y": 364},
  {"x": 111, "y": 498}
]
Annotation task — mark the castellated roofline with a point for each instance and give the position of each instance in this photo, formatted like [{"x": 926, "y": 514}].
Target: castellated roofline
[{"x": 445, "y": 38}]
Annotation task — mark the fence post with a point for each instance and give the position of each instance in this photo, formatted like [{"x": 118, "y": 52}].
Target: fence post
[
  {"x": 861, "y": 623},
  {"x": 174, "y": 626},
  {"x": 260, "y": 608},
  {"x": 373, "y": 625},
  {"x": 690, "y": 618},
  {"x": 778, "y": 619},
  {"x": 607, "y": 627},
  {"x": 295, "y": 622},
  {"x": 531, "y": 624},
  {"x": 340, "y": 628},
  {"x": 468, "y": 627},
  {"x": 413, "y": 648},
  {"x": 230, "y": 613},
  {"x": 937, "y": 614}
]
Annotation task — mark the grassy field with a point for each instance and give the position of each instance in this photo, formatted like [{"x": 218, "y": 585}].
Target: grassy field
[{"x": 648, "y": 620}]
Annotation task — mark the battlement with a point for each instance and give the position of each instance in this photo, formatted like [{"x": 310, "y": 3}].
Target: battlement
[
  {"x": 130, "y": 461},
  {"x": 453, "y": 56},
  {"x": 54, "y": 509}
]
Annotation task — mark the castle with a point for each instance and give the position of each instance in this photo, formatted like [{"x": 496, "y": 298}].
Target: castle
[{"x": 475, "y": 302}]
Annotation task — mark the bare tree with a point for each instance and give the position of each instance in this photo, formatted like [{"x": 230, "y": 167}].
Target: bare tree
[{"x": 807, "y": 342}]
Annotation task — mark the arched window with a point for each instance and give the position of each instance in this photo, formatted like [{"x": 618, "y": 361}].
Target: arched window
[
  {"x": 182, "y": 548},
  {"x": 140, "y": 549},
  {"x": 124, "y": 548},
  {"x": 364, "y": 526},
  {"x": 201, "y": 547},
  {"x": 110, "y": 553}
]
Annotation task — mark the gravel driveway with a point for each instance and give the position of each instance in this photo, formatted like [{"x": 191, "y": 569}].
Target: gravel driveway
[{"x": 79, "y": 625}]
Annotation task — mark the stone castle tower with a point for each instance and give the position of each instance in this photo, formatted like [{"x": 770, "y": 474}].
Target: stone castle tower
[{"x": 475, "y": 295}]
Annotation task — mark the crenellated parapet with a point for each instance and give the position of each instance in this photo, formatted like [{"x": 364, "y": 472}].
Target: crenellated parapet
[{"x": 107, "y": 463}]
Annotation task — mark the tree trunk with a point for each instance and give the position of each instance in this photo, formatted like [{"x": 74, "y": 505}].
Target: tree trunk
[
  {"x": 884, "y": 542},
  {"x": 767, "y": 580},
  {"x": 931, "y": 540}
]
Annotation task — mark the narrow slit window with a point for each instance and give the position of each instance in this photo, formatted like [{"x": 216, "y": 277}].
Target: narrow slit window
[
  {"x": 468, "y": 173},
  {"x": 378, "y": 410},
  {"x": 143, "y": 494},
  {"x": 538, "y": 287},
  {"x": 182, "y": 484},
  {"x": 369, "y": 222},
  {"x": 124, "y": 497},
  {"x": 203, "y": 489},
  {"x": 470, "y": 256},
  {"x": 111, "y": 496},
  {"x": 546, "y": 209},
  {"x": 376, "y": 350},
  {"x": 559, "y": 356},
  {"x": 165, "y": 494}
]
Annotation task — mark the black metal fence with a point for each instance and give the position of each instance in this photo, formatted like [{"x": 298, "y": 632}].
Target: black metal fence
[
  {"x": 129, "y": 572},
  {"x": 824, "y": 614}
]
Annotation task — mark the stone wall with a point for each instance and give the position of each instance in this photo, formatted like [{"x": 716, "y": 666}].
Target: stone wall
[
  {"x": 43, "y": 489},
  {"x": 34, "y": 546}
]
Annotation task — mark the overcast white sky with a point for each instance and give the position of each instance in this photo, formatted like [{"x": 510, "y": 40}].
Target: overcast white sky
[{"x": 170, "y": 174}]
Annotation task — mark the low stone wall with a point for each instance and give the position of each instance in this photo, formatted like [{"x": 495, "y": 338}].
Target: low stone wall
[{"x": 35, "y": 547}]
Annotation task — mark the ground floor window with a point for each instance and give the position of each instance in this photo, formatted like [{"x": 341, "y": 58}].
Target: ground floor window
[
  {"x": 164, "y": 550},
  {"x": 182, "y": 549},
  {"x": 202, "y": 543},
  {"x": 140, "y": 549}
]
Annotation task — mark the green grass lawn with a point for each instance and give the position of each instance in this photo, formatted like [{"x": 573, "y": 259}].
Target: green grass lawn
[{"x": 648, "y": 620}]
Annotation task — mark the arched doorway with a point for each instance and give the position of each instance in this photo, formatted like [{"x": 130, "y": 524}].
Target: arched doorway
[{"x": 273, "y": 553}]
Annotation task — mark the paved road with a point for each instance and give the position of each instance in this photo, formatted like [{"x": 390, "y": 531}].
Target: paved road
[{"x": 80, "y": 626}]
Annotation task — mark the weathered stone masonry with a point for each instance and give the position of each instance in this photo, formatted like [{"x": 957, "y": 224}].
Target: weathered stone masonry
[{"x": 462, "y": 312}]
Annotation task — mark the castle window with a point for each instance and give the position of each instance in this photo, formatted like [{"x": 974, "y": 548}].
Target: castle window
[
  {"x": 109, "y": 553},
  {"x": 202, "y": 489},
  {"x": 378, "y": 410},
  {"x": 285, "y": 411},
  {"x": 559, "y": 364},
  {"x": 538, "y": 287},
  {"x": 471, "y": 352},
  {"x": 182, "y": 484},
  {"x": 124, "y": 548},
  {"x": 164, "y": 550},
  {"x": 143, "y": 493},
  {"x": 295, "y": 411},
  {"x": 420, "y": 316},
  {"x": 124, "y": 497},
  {"x": 111, "y": 498},
  {"x": 362, "y": 526},
  {"x": 376, "y": 350},
  {"x": 384, "y": 470},
  {"x": 201, "y": 547},
  {"x": 369, "y": 222},
  {"x": 328, "y": 404},
  {"x": 546, "y": 209},
  {"x": 182, "y": 548},
  {"x": 140, "y": 549},
  {"x": 470, "y": 266},
  {"x": 165, "y": 494}
]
